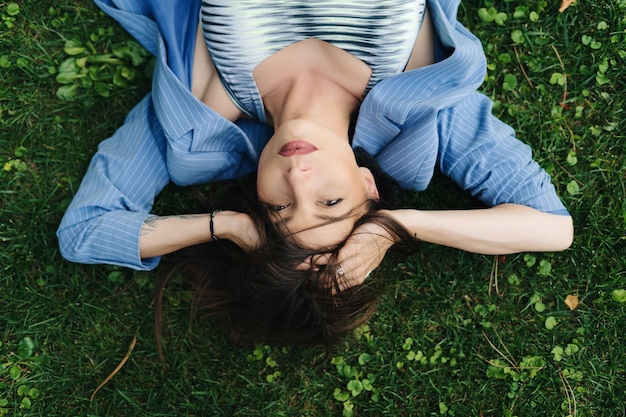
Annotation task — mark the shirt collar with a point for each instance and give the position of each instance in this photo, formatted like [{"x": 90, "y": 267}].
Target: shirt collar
[{"x": 180, "y": 112}]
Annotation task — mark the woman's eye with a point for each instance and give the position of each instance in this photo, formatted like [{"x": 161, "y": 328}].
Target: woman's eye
[
  {"x": 278, "y": 207},
  {"x": 334, "y": 202}
]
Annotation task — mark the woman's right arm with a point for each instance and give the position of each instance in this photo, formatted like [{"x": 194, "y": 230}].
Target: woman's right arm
[{"x": 498, "y": 230}]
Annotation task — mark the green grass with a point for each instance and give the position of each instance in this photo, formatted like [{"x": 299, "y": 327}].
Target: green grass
[{"x": 444, "y": 342}]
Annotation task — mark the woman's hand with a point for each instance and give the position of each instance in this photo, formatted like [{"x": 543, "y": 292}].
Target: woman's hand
[
  {"x": 363, "y": 252},
  {"x": 238, "y": 228}
]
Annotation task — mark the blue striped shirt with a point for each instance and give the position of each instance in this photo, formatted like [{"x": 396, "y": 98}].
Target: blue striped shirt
[{"x": 412, "y": 123}]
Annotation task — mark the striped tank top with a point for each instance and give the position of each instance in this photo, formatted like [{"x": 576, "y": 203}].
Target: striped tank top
[{"x": 240, "y": 34}]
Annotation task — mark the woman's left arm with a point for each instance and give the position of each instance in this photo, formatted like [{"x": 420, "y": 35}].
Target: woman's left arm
[
  {"x": 161, "y": 235},
  {"x": 499, "y": 230}
]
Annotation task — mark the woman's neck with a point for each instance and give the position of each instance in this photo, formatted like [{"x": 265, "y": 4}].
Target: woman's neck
[
  {"x": 313, "y": 97},
  {"x": 312, "y": 80}
]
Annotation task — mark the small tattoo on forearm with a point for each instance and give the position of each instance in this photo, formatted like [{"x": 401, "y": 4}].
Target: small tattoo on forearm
[{"x": 151, "y": 223}]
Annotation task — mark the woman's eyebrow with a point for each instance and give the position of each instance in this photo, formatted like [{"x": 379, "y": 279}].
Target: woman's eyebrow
[{"x": 327, "y": 218}]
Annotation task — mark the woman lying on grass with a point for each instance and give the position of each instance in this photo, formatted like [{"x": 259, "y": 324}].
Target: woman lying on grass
[{"x": 289, "y": 90}]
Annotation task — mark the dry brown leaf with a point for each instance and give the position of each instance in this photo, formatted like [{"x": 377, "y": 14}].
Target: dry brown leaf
[
  {"x": 571, "y": 301},
  {"x": 116, "y": 370},
  {"x": 565, "y": 4}
]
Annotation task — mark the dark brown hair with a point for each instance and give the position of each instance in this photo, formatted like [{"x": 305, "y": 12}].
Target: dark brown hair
[{"x": 261, "y": 296}]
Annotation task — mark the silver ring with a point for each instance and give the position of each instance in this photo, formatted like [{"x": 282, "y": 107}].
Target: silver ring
[{"x": 340, "y": 272}]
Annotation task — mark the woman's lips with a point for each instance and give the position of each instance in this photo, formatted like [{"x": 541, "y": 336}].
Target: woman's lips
[{"x": 296, "y": 147}]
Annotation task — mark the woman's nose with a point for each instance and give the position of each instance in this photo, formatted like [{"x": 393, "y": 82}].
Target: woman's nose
[{"x": 298, "y": 173}]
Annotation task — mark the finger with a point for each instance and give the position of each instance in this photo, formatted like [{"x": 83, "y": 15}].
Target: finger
[
  {"x": 357, "y": 279},
  {"x": 367, "y": 275},
  {"x": 322, "y": 259},
  {"x": 303, "y": 266},
  {"x": 307, "y": 266}
]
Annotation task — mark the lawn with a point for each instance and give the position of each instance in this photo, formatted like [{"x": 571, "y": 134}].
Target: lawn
[{"x": 456, "y": 334}]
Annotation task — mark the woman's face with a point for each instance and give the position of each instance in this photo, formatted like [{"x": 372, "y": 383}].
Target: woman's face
[{"x": 308, "y": 177}]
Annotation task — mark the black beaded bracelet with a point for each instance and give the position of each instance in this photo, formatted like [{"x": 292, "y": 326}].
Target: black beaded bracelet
[{"x": 211, "y": 224}]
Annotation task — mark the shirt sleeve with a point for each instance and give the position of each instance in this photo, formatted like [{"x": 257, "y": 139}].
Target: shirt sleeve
[
  {"x": 433, "y": 116},
  {"x": 481, "y": 154},
  {"x": 104, "y": 220}
]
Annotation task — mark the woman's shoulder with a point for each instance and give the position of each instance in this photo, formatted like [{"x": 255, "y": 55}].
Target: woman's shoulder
[{"x": 206, "y": 84}]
